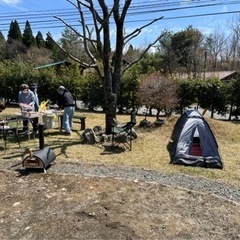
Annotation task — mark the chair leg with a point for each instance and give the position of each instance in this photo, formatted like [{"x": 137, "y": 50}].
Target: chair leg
[
  {"x": 130, "y": 139},
  {"x": 16, "y": 136},
  {"x": 114, "y": 143},
  {"x": 122, "y": 140},
  {"x": 5, "y": 140},
  {"x": 5, "y": 137}
]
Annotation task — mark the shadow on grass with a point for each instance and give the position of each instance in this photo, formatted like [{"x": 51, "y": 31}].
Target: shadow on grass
[
  {"x": 235, "y": 121},
  {"x": 10, "y": 154},
  {"x": 110, "y": 150},
  {"x": 57, "y": 142},
  {"x": 51, "y": 140},
  {"x": 26, "y": 171}
]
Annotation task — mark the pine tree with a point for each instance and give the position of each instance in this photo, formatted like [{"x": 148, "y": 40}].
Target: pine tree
[
  {"x": 39, "y": 40},
  {"x": 2, "y": 38},
  {"x": 49, "y": 43},
  {"x": 73, "y": 43},
  {"x": 2, "y": 46},
  {"x": 28, "y": 38},
  {"x": 14, "y": 33}
]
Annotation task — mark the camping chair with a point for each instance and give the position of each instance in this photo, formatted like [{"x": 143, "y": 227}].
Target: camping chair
[
  {"x": 7, "y": 132},
  {"x": 122, "y": 133}
]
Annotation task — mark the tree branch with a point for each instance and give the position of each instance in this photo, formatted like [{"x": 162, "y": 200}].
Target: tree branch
[
  {"x": 84, "y": 33},
  {"x": 66, "y": 24},
  {"x": 105, "y": 20},
  {"x": 83, "y": 64},
  {"x": 143, "y": 53},
  {"x": 96, "y": 19},
  {"x": 89, "y": 8},
  {"x": 133, "y": 36},
  {"x": 138, "y": 30},
  {"x": 125, "y": 9},
  {"x": 93, "y": 43}
]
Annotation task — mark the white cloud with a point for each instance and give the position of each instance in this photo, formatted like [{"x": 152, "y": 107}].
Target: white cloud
[
  {"x": 10, "y": 2},
  {"x": 185, "y": 1}
]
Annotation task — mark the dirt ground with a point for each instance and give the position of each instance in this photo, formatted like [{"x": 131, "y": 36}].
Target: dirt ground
[{"x": 58, "y": 206}]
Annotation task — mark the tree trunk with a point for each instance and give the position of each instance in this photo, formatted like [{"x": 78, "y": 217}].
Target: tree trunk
[
  {"x": 110, "y": 112},
  {"x": 113, "y": 79},
  {"x": 110, "y": 103}
]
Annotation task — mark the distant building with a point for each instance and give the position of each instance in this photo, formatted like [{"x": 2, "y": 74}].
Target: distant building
[{"x": 222, "y": 75}]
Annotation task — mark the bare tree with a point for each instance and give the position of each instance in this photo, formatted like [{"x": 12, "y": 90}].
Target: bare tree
[
  {"x": 97, "y": 44},
  {"x": 215, "y": 46},
  {"x": 235, "y": 41},
  {"x": 159, "y": 92}
]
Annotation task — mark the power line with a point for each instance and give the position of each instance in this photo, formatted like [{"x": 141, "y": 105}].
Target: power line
[
  {"x": 133, "y": 6},
  {"x": 134, "y": 11},
  {"x": 148, "y": 20}
]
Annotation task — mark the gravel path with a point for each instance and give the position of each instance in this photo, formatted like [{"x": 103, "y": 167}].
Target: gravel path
[
  {"x": 199, "y": 184},
  {"x": 136, "y": 174}
]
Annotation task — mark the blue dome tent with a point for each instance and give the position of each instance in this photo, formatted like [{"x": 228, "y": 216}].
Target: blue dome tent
[{"x": 194, "y": 143}]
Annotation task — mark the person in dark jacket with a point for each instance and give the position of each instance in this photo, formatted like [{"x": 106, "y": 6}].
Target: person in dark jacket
[{"x": 66, "y": 102}]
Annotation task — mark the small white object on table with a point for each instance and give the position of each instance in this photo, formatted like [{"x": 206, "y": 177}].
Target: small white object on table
[{"x": 51, "y": 116}]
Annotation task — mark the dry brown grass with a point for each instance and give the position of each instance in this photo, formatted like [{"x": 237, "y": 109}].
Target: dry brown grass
[{"x": 149, "y": 149}]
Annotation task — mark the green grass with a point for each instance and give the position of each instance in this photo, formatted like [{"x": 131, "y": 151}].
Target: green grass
[{"x": 149, "y": 149}]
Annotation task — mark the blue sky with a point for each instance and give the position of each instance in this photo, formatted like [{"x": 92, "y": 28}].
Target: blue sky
[{"x": 173, "y": 11}]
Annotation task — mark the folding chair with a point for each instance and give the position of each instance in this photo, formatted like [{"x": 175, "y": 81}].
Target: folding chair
[
  {"x": 7, "y": 132},
  {"x": 123, "y": 134}
]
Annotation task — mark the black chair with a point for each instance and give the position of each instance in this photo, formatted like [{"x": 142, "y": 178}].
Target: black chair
[
  {"x": 123, "y": 134},
  {"x": 7, "y": 132}
]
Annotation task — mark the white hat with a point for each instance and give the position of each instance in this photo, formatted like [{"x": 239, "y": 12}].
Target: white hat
[{"x": 61, "y": 88}]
